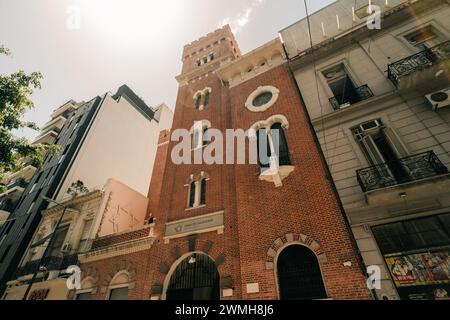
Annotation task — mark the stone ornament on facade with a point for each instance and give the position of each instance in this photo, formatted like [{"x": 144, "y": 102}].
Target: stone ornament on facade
[
  {"x": 277, "y": 172},
  {"x": 201, "y": 98},
  {"x": 293, "y": 239},
  {"x": 252, "y": 101}
]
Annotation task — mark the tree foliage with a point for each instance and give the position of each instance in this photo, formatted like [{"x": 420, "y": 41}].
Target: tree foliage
[{"x": 15, "y": 92}]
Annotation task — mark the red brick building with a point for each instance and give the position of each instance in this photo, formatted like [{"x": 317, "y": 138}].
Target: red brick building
[{"x": 250, "y": 231}]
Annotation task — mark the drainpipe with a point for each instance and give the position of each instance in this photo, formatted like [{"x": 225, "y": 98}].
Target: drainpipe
[{"x": 329, "y": 177}]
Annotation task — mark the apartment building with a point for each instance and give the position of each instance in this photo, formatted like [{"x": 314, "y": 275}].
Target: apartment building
[
  {"x": 16, "y": 182},
  {"x": 97, "y": 144},
  {"x": 378, "y": 99},
  {"x": 87, "y": 216}
]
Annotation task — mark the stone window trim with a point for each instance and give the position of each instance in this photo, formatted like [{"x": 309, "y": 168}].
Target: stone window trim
[
  {"x": 88, "y": 285},
  {"x": 203, "y": 124},
  {"x": 201, "y": 94},
  {"x": 118, "y": 283},
  {"x": 291, "y": 239},
  {"x": 275, "y": 174},
  {"x": 262, "y": 89},
  {"x": 197, "y": 180}
]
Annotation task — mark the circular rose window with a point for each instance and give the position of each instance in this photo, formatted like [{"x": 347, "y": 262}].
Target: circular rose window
[{"x": 262, "y": 99}]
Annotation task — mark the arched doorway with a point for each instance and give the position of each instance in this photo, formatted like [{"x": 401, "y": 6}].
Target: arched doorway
[
  {"x": 195, "y": 278},
  {"x": 299, "y": 275}
]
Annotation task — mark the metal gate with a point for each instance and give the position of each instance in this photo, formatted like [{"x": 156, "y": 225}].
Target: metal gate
[
  {"x": 196, "y": 278},
  {"x": 299, "y": 275}
]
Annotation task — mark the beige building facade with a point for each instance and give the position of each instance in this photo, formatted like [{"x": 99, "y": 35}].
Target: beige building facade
[
  {"x": 379, "y": 102},
  {"x": 111, "y": 209}
]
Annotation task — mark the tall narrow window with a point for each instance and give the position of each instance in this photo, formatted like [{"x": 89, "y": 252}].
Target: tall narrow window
[
  {"x": 342, "y": 86},
  {"x": 203, "y": 192},
  {"x": 206, "y": 99},
  {"x": 192, "y": 194},
  {"x": 85, "y": 235},
  {"x": 280, "y": 144},
  {"x": 264, "y": 152},
  {"x": 198, "y": 99},
  {"x": 58, "y": 242},
  {"x": 205, "y": 137}
]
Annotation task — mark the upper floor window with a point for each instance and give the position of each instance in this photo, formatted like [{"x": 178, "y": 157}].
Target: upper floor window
[
  {"x": 203, "y": 192},
  {"x": 262, "y": 98},
  {"x": 201, "y": 98},
  {"x": 58, "y": 241},
  {"x": 199, "y": 134},
  {"x": 424, "y": 38},
  {"x": 344, "y": 89},
  {"x": 85, "y": 235},
  {"x": 273, "y": 151},
  {"x": 192, "y": 189},
  {"x": 197, "y": 190}
]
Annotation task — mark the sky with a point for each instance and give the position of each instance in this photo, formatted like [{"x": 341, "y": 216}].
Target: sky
[{"x": 85, "y": 48}]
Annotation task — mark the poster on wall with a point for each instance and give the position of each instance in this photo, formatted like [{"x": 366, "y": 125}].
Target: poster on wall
[{"x": 420, "y": 269}]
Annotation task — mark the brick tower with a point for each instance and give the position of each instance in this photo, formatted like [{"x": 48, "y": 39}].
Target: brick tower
[{"x": 253, "y": 231}]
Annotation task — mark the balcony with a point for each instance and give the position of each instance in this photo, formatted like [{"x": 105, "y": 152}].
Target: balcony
[
  {"x": 410, "y": 169},
  {"x": 361, "y": 93},
  {"x": 8, "y": 205},
  {"x": 50, "y": 263},
  {"x": 424, "y": 70}
]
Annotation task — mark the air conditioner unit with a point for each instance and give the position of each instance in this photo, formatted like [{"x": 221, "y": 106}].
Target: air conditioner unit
[
  {"x": 370, "y": 126},
  {"x": 66, "y": 248},
  {"x": 439, "y": 99}
]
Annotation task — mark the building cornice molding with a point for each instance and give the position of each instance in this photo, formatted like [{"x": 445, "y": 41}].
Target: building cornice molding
[
  {"x": 115, "y": 250},
  {"x": 71, "y": 202},
  {"x": 390, "y": 18}
]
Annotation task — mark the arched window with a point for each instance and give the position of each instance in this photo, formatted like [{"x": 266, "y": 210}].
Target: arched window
[
  {"x": 192, "y": 194},
  {"x": 263, "y": 144},
  {"x": 206, "y": 98},
  {"x": 203, "y": 192},
  {"x": 280, "y": 144},
  {"x": 205, "y": 137},
  {"x": 119, "y": 287},
  {"x": 198, "y": 100},
  {"x": 299, "y": 275}
]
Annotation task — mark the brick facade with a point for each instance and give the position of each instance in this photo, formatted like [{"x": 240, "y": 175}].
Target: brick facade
[{"x": 260, "y": 220}]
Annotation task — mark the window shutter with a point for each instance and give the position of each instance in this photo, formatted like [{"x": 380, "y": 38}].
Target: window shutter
[
  {"x": 398, "y": 146},
  {"x": 371, "y": 150}
]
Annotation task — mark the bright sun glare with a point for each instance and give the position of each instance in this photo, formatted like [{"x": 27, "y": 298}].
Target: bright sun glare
[{"x": 131, "y": 20}]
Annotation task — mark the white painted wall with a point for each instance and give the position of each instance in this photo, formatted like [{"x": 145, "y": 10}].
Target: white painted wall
[{"x": 120, "y": 145}]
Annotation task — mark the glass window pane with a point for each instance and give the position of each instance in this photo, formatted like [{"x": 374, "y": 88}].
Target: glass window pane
[
  {"x": 84, "y": 296},
  {"x": 119, "y": 294}
]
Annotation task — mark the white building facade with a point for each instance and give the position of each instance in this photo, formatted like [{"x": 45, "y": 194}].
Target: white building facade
[{"x": 378, "y": 99}]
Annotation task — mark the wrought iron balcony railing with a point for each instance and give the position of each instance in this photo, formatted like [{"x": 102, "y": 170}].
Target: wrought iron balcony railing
[
  {"x": 8, "y": 205},
  {"x": 362, "y": 93},
  {"x": 413, "y": 168},
  {"x": 50, "y": 263},
  {"x": 419, "y": 61}
]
